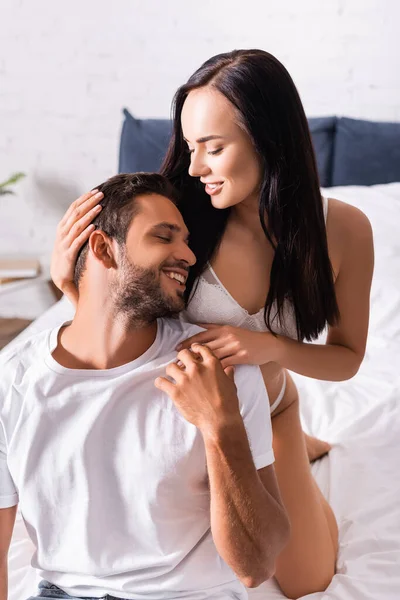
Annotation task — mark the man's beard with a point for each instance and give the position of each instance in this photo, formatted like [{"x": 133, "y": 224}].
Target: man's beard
[{"x": 139, "y": 297}]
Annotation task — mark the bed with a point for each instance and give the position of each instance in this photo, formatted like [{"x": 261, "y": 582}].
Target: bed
[{"x": 361, "y": 418}]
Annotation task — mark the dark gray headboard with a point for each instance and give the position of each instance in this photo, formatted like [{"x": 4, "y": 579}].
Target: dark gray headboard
[{"x": 348, "y": 151}]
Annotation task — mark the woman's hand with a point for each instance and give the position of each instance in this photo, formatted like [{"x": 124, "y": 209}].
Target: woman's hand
[
  {"x": 202, "y": 391},
  {"x": 234, "y": 345},
  {"x": 73, "y": 231}
]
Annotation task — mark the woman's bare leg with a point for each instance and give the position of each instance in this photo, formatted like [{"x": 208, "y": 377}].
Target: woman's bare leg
[
  {"x": 307, "y": 564},
  {"x": 315, "y": 447}
]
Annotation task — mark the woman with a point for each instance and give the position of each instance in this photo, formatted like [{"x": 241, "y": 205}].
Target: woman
[{"x": 276, "y": 265}]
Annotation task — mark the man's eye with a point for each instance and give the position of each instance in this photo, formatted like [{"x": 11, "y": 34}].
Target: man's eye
[{"x": 164, "y": 239}]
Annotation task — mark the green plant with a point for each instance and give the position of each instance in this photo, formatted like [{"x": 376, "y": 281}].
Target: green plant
[{"x": 10, "y": 181}]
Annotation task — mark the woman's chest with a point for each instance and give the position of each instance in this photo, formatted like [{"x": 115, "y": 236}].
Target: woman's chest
[{"x": 243, "y": 266}]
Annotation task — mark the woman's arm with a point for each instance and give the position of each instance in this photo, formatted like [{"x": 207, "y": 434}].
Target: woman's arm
[
  {"x": 342, "y": 355},
  {"x": 73, "y": 231}
]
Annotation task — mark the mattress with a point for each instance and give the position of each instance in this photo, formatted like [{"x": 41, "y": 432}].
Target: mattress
[{"x": 361, "y": 418}]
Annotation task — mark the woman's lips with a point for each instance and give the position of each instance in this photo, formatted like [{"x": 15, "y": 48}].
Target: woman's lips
[{"x": 213, "y": 189}]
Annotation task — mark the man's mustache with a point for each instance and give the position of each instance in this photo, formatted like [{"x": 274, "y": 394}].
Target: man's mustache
[{"x": 181, "y": 264}]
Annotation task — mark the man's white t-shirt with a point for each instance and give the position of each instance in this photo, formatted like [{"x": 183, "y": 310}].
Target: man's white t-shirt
[{"x": 110, "y": 478}]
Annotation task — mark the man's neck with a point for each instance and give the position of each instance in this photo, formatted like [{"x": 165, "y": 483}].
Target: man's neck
[{"x": 99, "y": 340}]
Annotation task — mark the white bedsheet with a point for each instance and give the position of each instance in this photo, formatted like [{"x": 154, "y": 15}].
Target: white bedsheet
[{"x": 360, "y": 417}]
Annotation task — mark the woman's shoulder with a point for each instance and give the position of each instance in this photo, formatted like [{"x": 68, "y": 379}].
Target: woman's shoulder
[
  {"x": 346, "y": 218},
  {"x": 348, "y": 229}
]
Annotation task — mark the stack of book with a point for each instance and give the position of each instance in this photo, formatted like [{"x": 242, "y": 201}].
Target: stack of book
[{"x": 14, "y": 269}]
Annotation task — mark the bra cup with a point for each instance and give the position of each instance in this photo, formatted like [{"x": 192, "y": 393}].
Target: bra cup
[{"x": 212, "y": 303}]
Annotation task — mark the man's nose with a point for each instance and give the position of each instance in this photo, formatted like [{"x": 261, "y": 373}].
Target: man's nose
[
  {"x": 190, "y": 256},
  {"x": 185, "y": 254}
]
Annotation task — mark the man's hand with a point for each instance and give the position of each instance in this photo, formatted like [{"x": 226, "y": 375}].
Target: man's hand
[{"x": 202, "y": 391}]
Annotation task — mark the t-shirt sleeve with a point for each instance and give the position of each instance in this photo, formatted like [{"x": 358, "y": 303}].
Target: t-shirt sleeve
[
  {"x": 256, "y": 414},
  {"x": 8, "y": 491}
]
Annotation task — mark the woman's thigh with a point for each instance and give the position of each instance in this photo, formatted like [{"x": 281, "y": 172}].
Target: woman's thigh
[{"x": 307, "y": 564}]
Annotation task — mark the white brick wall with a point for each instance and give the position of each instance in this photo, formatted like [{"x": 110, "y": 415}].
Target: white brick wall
[{"x": 67, "y": 69}]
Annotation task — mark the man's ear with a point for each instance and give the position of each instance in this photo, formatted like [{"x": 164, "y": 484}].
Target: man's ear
[{"x": 102, "y": 248}]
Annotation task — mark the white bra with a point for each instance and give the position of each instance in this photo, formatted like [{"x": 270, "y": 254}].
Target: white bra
[{"x": 211, "y": 302}]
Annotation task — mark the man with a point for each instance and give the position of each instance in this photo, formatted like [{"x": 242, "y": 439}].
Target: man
[{"x": 132, "y": 464}]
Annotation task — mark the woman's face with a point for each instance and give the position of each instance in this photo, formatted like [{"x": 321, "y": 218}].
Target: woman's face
[{"x": 221, "y": 152}]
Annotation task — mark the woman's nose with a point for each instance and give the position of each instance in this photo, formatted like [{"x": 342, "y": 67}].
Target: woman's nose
[{"x": 197, "y": 167}]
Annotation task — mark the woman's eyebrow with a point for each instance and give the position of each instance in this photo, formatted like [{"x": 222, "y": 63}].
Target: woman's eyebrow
[{"x": 207, "y": 138}]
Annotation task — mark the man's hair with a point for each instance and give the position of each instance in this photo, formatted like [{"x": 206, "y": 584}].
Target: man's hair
[{"x": 120, "y": 207}]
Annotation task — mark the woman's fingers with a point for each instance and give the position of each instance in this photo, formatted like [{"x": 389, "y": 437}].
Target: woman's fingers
[
  {"x": 83, "y": 223},
  {"x": 223, "y": 351},
  {"x": 200, "y": 338},
  {"x": 87, "y": 196},
  {"x": 230, "y": 361},
  {"x": 78, "y": 242},
  {"x": 214, "y": 345},
  {"x": 219, "y": 349},
  {"x": 75, "y": 204},
  {"x": 78, "y": 209}
]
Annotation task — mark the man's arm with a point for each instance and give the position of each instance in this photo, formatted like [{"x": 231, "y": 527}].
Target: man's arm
[
  {"x": 7, "y": 520},
  {"x": 248, "y": 522}
]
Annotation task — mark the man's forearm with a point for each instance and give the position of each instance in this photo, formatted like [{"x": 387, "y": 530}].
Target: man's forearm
[
  {"x": 3, "y": 580},
  {"x": 248, "y": 525}
]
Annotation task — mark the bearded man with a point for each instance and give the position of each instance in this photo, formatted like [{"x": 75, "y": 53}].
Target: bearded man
[{"x": 140, "y": 472}]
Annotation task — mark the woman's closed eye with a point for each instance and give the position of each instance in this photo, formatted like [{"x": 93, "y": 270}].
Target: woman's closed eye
[{"x": 212, "y": 152}]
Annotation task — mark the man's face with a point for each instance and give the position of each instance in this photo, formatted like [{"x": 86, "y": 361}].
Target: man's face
[{"x": 154, "y": 264}]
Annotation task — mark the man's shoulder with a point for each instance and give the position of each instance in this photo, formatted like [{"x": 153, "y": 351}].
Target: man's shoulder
[
  {"x": 24, "y": 353},
  {"x": 250, "y": 386},
  {"x": 248, "y": 376},
  {"x": 179, "y": 330}
]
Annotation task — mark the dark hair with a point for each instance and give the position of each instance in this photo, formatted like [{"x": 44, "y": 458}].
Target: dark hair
[
  {"x": 270, "y": 110},
  {"x": 119, "y": 207}
]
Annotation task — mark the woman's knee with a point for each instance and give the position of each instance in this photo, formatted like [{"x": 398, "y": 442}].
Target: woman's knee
[{"x": 297, "y": 588}]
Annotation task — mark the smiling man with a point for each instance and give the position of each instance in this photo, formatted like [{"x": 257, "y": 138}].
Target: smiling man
[{"x": 131, "y": 463}]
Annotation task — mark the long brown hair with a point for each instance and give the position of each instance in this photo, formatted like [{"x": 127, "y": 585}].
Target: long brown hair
[{"x": 270, "y": 109}]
